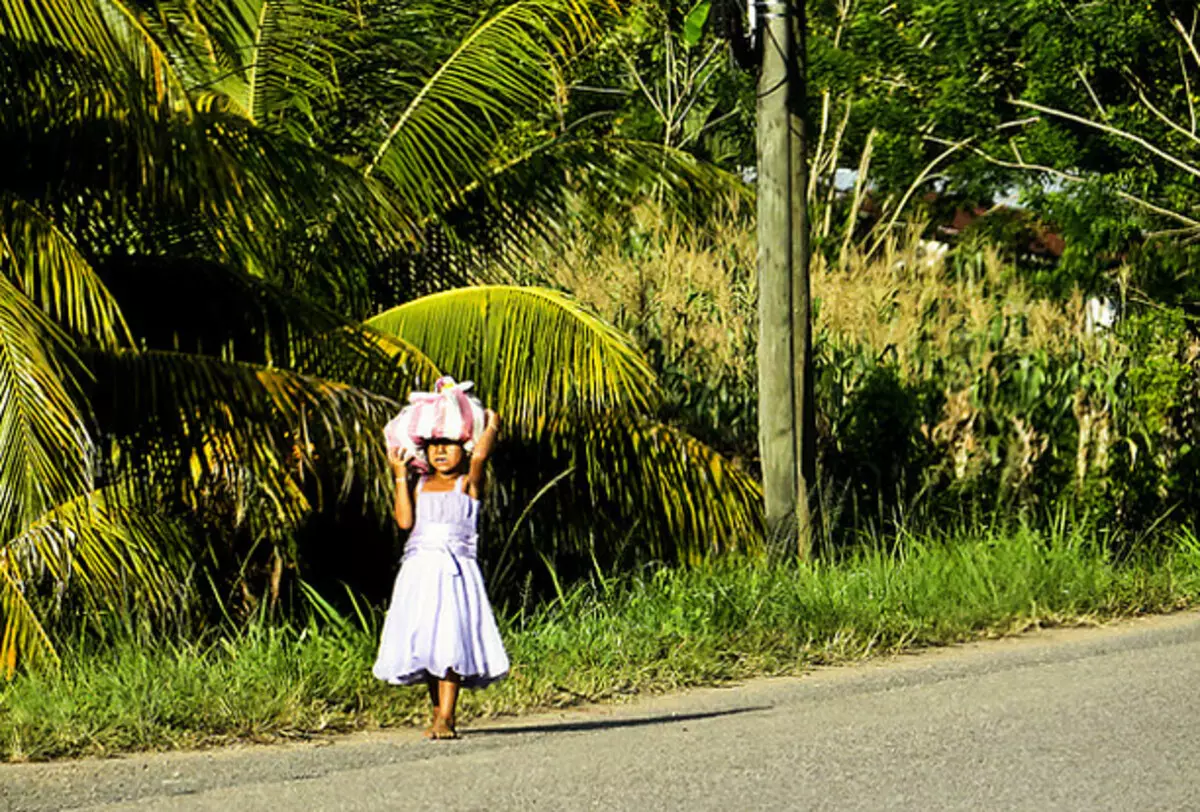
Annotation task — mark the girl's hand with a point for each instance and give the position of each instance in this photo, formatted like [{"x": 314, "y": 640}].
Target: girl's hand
[
  {"x": 402, "y": 508},
  {"x": 492, "y": 421},
  {"x": 483, "y": 448},
  {"x": 399, "y": 461}
]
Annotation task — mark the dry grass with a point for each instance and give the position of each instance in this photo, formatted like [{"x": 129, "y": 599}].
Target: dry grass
[
  {"x": 692, "y": 286},
  {"x": 918, "y": 306},
  {"x": 963, "y": 324},
  {"x": 686, "y": 290}
]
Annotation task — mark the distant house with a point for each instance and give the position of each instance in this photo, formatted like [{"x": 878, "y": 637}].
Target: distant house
[
  {"x": 1013, "y": 228},
  {"x": 1027, "y": 236}
]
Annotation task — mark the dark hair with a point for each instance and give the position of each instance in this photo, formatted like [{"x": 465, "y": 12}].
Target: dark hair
[{"x": 441, "y": 441}]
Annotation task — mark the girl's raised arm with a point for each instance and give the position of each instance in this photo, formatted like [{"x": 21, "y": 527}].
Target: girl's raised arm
[
  {"x": 483, "y": 448},
  {"x": 402, "y": 506}
]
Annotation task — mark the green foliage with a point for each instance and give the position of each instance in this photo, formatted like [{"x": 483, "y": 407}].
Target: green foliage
[
  {"x": 1013, "y": 407},
  {"x": 543, "y": 362},
  {"x": 213, "y": 196},
  {"x": 663, "y": 74},
  {"x": 1154, "y": 479},
  {"x": 693, "y": 23},
  {"x": 181, "y": 295},
  {"x": 505, "y": 65},
  {"x": 584, "y": 402},
  {"x": 1087, "y": 110}
]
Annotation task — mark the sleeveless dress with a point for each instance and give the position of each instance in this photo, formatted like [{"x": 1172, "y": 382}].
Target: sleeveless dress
[{"x": 440, "y": 619}]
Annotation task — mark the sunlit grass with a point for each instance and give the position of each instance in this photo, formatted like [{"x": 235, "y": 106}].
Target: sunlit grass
[{"x": 612, "y": 638}]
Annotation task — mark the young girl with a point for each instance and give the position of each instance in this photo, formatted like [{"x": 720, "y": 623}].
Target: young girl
[{"x": 439, "y": 628}]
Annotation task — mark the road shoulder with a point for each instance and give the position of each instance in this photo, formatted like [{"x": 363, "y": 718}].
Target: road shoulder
[{"x": 89, "y": 782}]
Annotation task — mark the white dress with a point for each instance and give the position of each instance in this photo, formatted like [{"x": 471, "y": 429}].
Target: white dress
[{"x": 440, "y": 619}]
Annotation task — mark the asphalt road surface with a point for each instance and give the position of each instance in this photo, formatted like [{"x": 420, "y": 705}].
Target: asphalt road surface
[{"x": 1080, "y": 719}]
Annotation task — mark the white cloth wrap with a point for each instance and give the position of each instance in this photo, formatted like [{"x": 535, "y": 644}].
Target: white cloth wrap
[{"x": 442, "y": 537}]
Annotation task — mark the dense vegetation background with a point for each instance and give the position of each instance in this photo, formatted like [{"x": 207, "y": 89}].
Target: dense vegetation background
[{"x": 235, "y": 233}]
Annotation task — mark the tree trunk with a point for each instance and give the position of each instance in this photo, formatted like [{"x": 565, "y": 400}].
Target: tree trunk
[{"x": 776, "y": 367}]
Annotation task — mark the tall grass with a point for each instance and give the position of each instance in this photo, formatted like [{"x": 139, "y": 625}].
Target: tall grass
[{"x": 653, "y": 631}]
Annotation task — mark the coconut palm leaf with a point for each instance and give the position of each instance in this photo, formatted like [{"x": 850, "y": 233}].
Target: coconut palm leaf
[
  {"x": 212, "y": 186},
  {"x": 626, "y": 492},
  {"x": 419, "y": 371},
  {"x": 22, "y": 635},
  {"x": 44, "y": 446},
  {"x": 536, "y": 356},
  {"x": 45, "y": 265},
  {"x": 236, "y": 429},
  {"x": 447, "y": 129},
  {"x": 694, "y": 502},
  {"x": 119, "y": 174},
  {"x": 530, "y": 196},
  {"x": 236, "y": 317},
  {"x": 304, "y": 220},
  {"x": 97, "y": 550},
  {"x": 114, "y": 33},
  {"x": 112, "y": 553},
  {"x": 263, "y": 59}
]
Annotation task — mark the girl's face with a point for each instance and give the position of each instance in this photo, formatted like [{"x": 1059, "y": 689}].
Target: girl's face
[{"x": 444, "y": 457}]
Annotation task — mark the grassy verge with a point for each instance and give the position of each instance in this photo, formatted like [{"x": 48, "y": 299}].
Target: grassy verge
[{"x": 664, "y": 630}]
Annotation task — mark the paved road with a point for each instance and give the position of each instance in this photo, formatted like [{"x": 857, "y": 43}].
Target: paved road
[{"x": 1083, "y": 719}]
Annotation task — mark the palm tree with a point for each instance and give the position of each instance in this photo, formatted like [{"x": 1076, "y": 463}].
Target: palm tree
[
  {"x": 188, "y": 249},
  {"x": 582, "y": 402}
]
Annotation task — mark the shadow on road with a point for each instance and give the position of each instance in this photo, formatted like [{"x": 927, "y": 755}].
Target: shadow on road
[{"x": 603, "y": 724}]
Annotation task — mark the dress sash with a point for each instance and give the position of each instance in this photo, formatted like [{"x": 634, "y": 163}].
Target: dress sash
[{"x": 442, "y": 537}]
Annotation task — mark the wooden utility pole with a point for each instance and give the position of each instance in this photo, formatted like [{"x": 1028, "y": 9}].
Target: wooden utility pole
[
  {"x": 804, "y": 418},
  {"x": 776, "y": 365},
  {"x": 786, "y": 439}
]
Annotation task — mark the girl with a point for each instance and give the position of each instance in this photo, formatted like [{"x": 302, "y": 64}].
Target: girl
[{"x": 439, "y": 628}]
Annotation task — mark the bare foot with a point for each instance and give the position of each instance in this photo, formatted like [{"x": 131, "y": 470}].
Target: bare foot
[{"x": 441, "y": 728}]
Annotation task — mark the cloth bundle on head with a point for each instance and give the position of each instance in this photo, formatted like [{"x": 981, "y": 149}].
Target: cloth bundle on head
[{"x": 446, "y": 413}]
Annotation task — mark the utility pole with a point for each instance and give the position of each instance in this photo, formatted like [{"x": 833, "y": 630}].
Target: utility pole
[
  {"x": 777, "y": 437},
  {"x": 804, "y": 417},
  {"x": 787, "y": 439}
]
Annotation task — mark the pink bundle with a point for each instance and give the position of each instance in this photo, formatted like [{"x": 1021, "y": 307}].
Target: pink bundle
[{"x": 446, "y": 413}]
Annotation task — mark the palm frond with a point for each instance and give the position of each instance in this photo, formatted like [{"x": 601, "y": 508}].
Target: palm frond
[
  {"x": 233, "y": 316},
  {"x": 536, "y": 356},
  {"x": 268, "y": 60},
  {"x": 626, "y": 492},
  {"x": 694, "y": 502},
  {"x": 296, "y": 216},
  {"x": 113, "y": 33},
  {"x": 108, "y": 550},
  {"x": 244, "y": 431},
  {"x": 420, "y": 370},
  {"x": 48, "y": 268},
  {"x": 96, "y": 550},
  {"x": 533, "y": 195},
  {"x": 44, "y": 446},
  {"x": 212, "y": 186},
  {"x": 503, "y": 67},
  {"x": 22, "y": 635}
]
